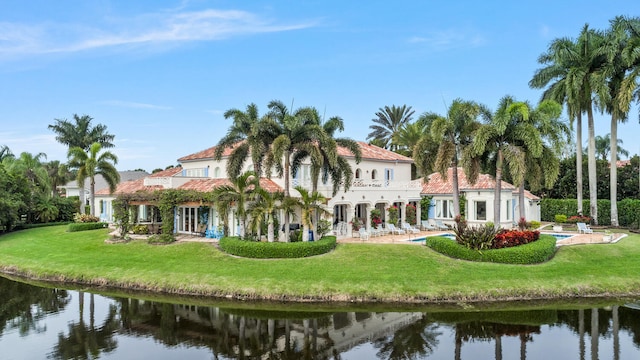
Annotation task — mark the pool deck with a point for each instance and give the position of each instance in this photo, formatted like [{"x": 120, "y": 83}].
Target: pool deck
[{"x": 405, "y": 239}]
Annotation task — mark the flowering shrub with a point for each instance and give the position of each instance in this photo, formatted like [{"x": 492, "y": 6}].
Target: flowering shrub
[
  {"x": 355, "y": 224},
  {"x": 476, "y": 238},
  {"x": 510, "y": 238},
  {"x": 410, "y": 215},
  {"x": 577, "y": 218},
  {"x": 376, "y": 217},
  {"x": 85, "y": 218}
]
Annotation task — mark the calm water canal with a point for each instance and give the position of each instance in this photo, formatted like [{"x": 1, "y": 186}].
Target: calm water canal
[{"x": 45, "y": 323}]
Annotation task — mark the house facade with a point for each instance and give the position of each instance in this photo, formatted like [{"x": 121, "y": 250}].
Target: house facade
[
  {"x": 478, "y": 200},
  {"x": 381, "y": 180}
]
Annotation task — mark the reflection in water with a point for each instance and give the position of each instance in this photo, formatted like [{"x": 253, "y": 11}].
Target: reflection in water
[{"x": 120, "y": 327}]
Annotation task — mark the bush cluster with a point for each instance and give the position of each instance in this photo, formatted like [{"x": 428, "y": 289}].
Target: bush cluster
[
  {"x": 85, "y": 218},
  {"x": 577, "y": 218},
  {"x": 140, "y": 229},
  {"x": 532, "y": 253},
  {"x": 77, "y": 226},
  {"x": 511, "y": 238},
  {"x": 160, "y": 239},
  {"x": 473, "y": 237},
  {"x": 276, "y": 250}
]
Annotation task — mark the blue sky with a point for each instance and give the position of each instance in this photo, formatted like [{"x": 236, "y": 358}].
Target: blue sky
[{"x": 160, "y": 74}]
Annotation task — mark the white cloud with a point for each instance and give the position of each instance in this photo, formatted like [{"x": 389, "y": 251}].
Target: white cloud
[
  {"x": 17, "y": 39},
  {"x": 449, "y": 39},
  {"x": 135, "y": 105}
]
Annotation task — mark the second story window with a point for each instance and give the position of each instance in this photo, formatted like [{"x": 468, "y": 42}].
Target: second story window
[
  {"x": 195, "y": 172},
  {"x": 374, "y": 174},
  {"x": 358, "y": 174}
]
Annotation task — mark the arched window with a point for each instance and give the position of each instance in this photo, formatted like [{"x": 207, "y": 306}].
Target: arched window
[
  {"x": 374, "y": 174},
  {"x": 358, "y": 174}
]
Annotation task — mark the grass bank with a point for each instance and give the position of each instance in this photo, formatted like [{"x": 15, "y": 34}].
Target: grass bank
[{"x": 353, "y": 272}]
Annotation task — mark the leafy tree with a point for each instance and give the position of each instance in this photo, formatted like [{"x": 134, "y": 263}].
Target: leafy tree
[
  {"x": 92, "y": 163},
  {"x": 238, "y": 195},
  {"x": 13, "y": 192},
  {"x": 5, "y": 153},
  {"x": 388, "y": 122}
]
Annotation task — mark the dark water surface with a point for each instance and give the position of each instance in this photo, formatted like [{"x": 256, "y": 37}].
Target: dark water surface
[{"x": 45, "y": 323}]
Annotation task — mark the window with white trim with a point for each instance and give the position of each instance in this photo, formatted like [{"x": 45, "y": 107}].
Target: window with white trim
[
  {"x": 444, "y": 209},
  {"x": 194, "y": 172},
  {"x": 480, "y": 209}
]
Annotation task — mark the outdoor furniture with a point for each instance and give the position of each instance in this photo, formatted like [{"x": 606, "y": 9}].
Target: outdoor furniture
[
  {"x": 213, "y": 234},
  {"x": 364, "y": 235},
  {"x": 426, "y": 226},
  {"x": 584, "y": 228},
  {"x": 375, "y": 231},
  {"x": 441, "y": 226},
  {"x": 408, "y": 228},
  {"x": 394, "y": 230}
]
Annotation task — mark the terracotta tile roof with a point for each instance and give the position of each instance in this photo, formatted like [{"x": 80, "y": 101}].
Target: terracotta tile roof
[
  {"x": 206, "y": 185},
  {"x": 622, "y": 163},
  {"x": 206, "y": 154},
  {"x": 436, "y": 185},
  {"x": 527, "y": 195},
  {"x": 168, "y": 172},
  {"x": 129, "y": 187},
  {"x": 373, "y": 152},
  {"x": 368, "y": 152}
]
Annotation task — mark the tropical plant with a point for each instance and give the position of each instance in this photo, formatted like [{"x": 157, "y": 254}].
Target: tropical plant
[
  {"x": 237, "y": 195},
  {"x": 376, "y": 217},
  {"x": 311, "y": 204},
  {"x": 245, "y": 140},
  {"x": 410, "y": 214},
  {"x": 454, "y": 133},
  {"x": 292, "y": 131},
  {"x": 264, "y": 208},
  {"x": 92, "y": 163},
  {"x": 508, "y": 136},
  {"x": 5, "y": 153},
  {"x": 58, "y": 173},
  {"x": 603, "y": 147},
  {"x": 388, "y": 122},
  {"x": 393, "y": 215}
]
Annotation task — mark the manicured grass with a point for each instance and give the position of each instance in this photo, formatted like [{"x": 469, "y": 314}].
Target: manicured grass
[{"x": 352, "y": 272}]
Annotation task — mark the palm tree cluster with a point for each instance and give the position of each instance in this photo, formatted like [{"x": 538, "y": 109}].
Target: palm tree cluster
[
  {"x": 278, "y": 143},
  {"x": 599, "y": 70}
]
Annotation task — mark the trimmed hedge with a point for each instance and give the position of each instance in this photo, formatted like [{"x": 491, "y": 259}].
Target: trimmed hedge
[
  {"x": 38, "y": 225},
  {"x": 276, "y": 250},
  {"x": 86, "y": 226},
  {"x": 532, "y": 253}
]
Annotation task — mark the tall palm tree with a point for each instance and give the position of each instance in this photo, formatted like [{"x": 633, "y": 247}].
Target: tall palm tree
[
  {"x": 572, "y": 73},
  {"x": 91, "y": 163},
  {"x": 310, "y": 204},
  {"x": 245, "y": 139},
  {"x": 508, "y": 136},
  {"x": 238, "y": 195},
  {"x": 454, "y": 133},
  {"x": 622, "y": 84},
  {"x": 388, "y": 122},
  {"x": 82, "y": 134},
  {"x": 603, "y": 147},
  {"x": 264, "y": 207},
  {"x": 543, "y": 170},
  {"x": 292, "y": 131},
  {"x": 31, "y": 167}
]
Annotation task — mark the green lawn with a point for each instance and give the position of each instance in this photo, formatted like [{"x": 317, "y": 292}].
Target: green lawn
[{"x": 376, "y": 272}]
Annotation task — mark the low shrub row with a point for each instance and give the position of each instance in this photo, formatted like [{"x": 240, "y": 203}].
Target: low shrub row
[
  {"x": 275, "y": 250},
  {"x": 160, "y": 239},
  {"x": 38, "y": 225},
  {"x": 86, "y": 226},
  {"x": 532, "y": 253}
]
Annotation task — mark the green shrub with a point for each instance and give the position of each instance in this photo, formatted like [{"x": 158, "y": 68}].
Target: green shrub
[
  {"x": 38, "y": 225},
  {"x": 160, "y": 239},
  {"x": 73, "y": 227},
  {"x": 477, "y": 237},
  {"x": 275, "y": 250},
  {"x": 532, "y": 253},
  {"x": 560, "y": 218},
  {"x": 534, "y": 224},
  {"x": 140, "y": 229},
  {"x": 323, "y": 228}
]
